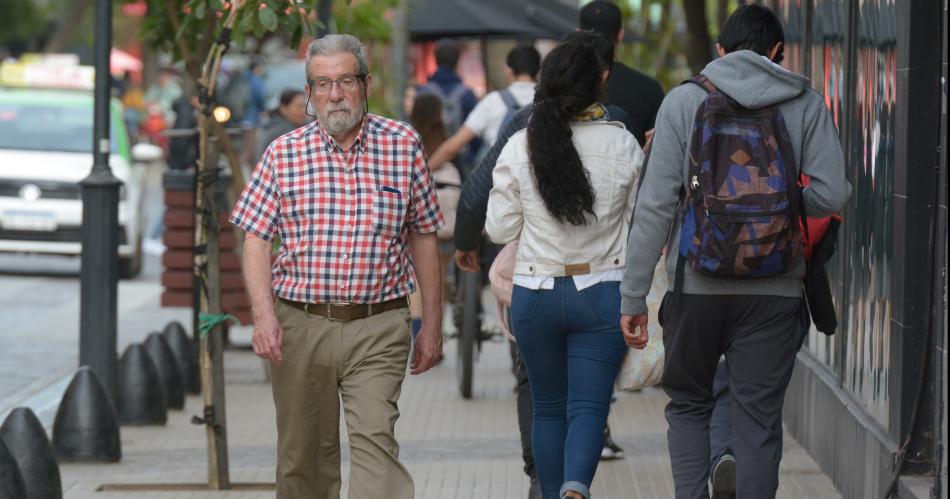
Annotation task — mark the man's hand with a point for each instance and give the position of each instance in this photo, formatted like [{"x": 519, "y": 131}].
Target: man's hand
[
  {"x": 467, "y": 260},
  {"x": 634, "y": 329},
  {"x": 427, "y": 351},
  {"x": 267, "y": 339}
]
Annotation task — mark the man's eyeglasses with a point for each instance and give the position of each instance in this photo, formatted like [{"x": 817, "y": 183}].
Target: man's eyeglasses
[{"x": 347, "y": 83}]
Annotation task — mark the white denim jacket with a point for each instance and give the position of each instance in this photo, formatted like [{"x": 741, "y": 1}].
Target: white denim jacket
[{"x": 547, "y": 247}]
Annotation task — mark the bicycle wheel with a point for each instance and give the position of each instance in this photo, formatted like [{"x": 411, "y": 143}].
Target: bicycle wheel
[{"x": 471, "y": 287}]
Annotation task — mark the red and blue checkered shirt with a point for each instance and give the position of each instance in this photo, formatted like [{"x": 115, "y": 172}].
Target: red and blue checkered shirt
[{"x": 343, "y": 216}]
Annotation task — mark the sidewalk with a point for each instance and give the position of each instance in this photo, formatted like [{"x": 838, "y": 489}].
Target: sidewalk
[{"x": 454, "y": 448}]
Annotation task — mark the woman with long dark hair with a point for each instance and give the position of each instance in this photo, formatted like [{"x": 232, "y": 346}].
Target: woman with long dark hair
[
  {"x": 426, "y": 117},
  {"x": 564, "y": 188}
]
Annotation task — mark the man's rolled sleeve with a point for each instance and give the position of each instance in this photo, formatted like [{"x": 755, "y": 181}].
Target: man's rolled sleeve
[
  {"x": 424, "y": 213},
  {"x": 258, "y": 208}
]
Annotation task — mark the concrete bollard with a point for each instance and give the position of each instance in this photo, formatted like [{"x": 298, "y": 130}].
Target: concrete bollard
[
  {"x": 184, "y": 350},
  {"x": 157, "y": 347},
  {"x": 26, "y": 440},
  {"x": 141, "y": 389},
  {"x": 86, "y": 427},
  {"x": 11, "y": 481}
]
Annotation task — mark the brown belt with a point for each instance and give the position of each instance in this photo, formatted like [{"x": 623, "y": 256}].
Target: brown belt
[{"x": 348, "y": 311}]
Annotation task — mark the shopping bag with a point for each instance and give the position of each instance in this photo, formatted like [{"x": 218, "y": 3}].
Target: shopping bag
[{"x": 643, "y": 368}]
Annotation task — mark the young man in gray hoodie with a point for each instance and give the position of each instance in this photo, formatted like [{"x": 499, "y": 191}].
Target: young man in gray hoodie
[{"x": 758, "y": 324}]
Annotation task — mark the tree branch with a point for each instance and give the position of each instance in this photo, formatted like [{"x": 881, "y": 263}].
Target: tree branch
[{"x": 191, "y": 61}]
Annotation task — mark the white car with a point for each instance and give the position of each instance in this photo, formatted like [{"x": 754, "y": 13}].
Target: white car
[{"x": 45, "y": 150}]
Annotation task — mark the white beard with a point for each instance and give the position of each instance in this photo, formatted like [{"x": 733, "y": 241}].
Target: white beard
[{"x": 338, "y": 123}]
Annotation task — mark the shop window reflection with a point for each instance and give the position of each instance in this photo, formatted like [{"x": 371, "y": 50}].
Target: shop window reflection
[
  {"x": 792, "y": 14},
  {"x": 828, "y": 57},
  {"x": 869, "y": 235}
]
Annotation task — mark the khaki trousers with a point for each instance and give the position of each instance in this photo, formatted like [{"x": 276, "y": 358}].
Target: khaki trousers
[{"x": 362, "y": 362}]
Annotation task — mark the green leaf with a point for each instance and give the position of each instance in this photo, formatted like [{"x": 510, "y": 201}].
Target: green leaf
[
  {"x": 200, "y": 10},
  {"x": 258, "y": 27},
  {"x": 268, "y": 18},
  {"x": 296, "y": 36}
]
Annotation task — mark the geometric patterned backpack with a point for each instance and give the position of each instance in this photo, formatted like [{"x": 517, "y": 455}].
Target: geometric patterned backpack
[{"x": 742, "y": 203}]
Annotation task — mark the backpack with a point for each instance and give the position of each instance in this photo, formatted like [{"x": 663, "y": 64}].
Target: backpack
[
  {"x": 512, "y": 107},
  {"x": 741, "y": 204},
  {"x": 451, "y": 104}
]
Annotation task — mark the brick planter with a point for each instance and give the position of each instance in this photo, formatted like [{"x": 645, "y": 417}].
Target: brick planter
[{"x": 178, "y": 237}]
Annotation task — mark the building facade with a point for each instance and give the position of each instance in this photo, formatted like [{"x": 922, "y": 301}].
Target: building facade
[{"x": 868, "y": 402}]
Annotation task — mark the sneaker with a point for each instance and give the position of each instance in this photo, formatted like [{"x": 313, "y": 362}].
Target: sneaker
[
  {"x": 611, "y": 450},
  {"x": 723, "y": 478},
  {"x": 534, "y": 490}
]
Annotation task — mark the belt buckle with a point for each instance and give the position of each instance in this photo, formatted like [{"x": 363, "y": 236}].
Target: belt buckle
[{"x": 330, "y": 311}]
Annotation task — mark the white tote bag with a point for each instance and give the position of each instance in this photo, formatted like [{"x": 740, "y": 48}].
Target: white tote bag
[{"x": 643, "y": 368}]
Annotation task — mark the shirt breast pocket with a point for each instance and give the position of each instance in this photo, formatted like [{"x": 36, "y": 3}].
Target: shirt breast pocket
[{"x": 389, "y": 211}]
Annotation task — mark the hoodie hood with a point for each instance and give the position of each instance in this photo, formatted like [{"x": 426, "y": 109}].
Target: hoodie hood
[{"x": 753, "y": 80}]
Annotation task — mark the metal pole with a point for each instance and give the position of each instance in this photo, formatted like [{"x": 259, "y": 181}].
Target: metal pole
[
  {"x": 400, "y": 54},
  {"x": 99, "y": 234}
]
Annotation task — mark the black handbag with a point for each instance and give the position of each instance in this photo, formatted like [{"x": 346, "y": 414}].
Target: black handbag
[{"x": 821, "y": 307}]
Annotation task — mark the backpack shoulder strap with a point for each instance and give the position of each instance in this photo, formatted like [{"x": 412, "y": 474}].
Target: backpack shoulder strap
[
  {"x": 457, "y": 93},
  {"x": 703, "y": 83},
  {"x": 432, "y": 89},
  {"x": 509, "y": 99}
]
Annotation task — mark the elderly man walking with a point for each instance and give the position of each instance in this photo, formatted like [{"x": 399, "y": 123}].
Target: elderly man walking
[{"x": 352, "y": 200}]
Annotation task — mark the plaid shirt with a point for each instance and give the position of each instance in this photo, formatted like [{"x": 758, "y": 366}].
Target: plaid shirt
[{"x": 343, "y": 216}]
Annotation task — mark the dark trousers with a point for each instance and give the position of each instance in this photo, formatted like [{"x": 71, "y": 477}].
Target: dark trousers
[
  {"x": 720, "y": 423},
  {"x": 760, "y": 336},
  {"x": 525, "y": 412}
]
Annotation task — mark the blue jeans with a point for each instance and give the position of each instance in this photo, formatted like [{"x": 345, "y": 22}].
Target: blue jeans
[{"x": 572, "y": 347}]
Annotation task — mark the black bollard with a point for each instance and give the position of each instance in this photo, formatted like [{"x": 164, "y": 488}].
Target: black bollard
[
  {"x": 141, "y": 389},
  {"x": 11, "y": 482},
  {"x": 157, "y": 347},
  {"x": 86, "y": 427},
  {"x": 26, "y": 440},
  {"x": 184, "y": 350}
]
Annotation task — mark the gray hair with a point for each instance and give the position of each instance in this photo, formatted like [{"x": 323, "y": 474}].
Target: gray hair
[{"x": 336, "y": 44}]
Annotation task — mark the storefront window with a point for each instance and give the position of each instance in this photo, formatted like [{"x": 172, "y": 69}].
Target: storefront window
[
  {"x": 828, "y": 55},
  {"x": 792, "y": 13},
  {"x": 869, "y": 215}
]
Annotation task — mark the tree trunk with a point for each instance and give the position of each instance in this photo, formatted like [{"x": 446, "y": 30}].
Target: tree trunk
[
  {"x": 699, "y": 43},
  {"x": 69, "y": 20}
]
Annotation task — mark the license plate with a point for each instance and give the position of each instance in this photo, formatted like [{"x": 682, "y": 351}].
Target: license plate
[{"x": 28, "y": 220}]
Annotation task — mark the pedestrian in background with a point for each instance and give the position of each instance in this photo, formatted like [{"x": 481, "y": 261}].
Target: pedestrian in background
[
  {"x": 739, "y": 213},
  {"x": 426, "y": 118},
  {"x": 458, "y": 100},
  {"x": 163, "y": 94},
  {"x": 496, "y": 108},
  {"x": 291, "y": 113},
  {"x": 634, "y": 92},
  {"x": 564, "y": 189},
  {"x": 253, "y": 112},
  {"x": 355, "y": 207}
]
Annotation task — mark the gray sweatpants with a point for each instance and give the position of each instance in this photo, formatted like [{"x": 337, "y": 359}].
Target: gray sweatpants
[{"x": 760, "y": 336}]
